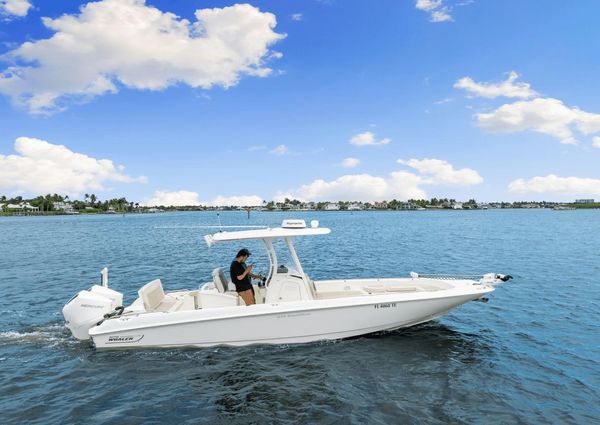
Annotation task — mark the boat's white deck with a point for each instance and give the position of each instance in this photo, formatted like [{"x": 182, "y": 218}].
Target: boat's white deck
[{"x": 324, "y": 290}]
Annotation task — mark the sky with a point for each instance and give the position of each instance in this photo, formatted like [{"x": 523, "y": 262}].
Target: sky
[{"x": 203, "y": 102}]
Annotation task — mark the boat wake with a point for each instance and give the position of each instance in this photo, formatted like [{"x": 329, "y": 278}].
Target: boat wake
[{"x": 47, "y": 335}]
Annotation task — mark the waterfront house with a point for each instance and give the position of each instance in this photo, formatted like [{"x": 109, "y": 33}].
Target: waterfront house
[
  {"x": 354, "y": 206},
  {"x": 406, "y": 206},
  {"x": 21, "y": 208},
  {"x": 332, "y": 206},
  {"x": 63, "y": 206}
]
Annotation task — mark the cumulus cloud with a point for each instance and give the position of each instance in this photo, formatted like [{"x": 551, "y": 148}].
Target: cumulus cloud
[
  {"x": 557, "y": 185},
  {"x": 178, "y": 198},
  {"x": 398, "y": 184},
  {"x": 42, "y": 167},
  {"x": 113, "y": 43},
  {"x": 365, "y": 187},
  {"x": 507, "y": 88},
  {"x": 280, "y": 150},
  {"x": 437, "y": 171},
  {"x": 350, "y": 162},
  {"x": 18, "y": 8},
  {"x": 543, "y": 115},
  {"x": 540, "y": 114},
  {"x": 185, "y": 198},
  {"x": 436, "y": 9},
  {"x": 368, "y": 139},
  {"x": 243, "y": 201},
  {"x": 596, "y": 142}
]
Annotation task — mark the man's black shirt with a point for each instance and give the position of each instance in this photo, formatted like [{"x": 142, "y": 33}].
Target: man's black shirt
[{"x": 237, "y": 269}]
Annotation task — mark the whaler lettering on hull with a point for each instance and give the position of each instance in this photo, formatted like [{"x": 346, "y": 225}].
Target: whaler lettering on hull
[{"x": 125, "y": 338}]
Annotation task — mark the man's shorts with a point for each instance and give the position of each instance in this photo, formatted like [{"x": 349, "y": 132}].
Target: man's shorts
[{"x": 244, "y": 286}]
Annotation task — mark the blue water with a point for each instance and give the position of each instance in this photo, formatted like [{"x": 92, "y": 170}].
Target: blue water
[{"x": 530, "y": 355}]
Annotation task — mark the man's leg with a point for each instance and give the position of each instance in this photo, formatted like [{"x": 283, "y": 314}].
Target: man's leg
[{"x": 247, "y": 296}]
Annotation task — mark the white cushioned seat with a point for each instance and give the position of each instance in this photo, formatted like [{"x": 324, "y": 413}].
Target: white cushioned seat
[
  {"x": 220, "y": 281},
  {"x": 154, "y": 297}
]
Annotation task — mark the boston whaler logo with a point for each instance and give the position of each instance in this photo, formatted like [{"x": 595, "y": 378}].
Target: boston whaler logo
[{"x": 120, "y": 339}]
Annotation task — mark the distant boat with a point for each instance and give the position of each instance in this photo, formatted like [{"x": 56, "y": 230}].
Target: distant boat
[{"x": 562, "y": 208}]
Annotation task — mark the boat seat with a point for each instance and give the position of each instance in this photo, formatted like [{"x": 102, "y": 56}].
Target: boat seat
[
  {"x": 154, "y": 297},
  {"x": 221, "y": 282}
]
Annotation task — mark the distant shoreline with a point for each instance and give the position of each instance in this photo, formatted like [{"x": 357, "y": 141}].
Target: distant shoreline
[{"x": 63, "y": 214}]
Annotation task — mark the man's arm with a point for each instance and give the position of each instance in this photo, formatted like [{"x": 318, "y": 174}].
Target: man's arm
[{"x": 246, "y": 273}]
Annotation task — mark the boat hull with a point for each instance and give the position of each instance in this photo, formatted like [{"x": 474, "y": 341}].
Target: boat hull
[{"x": 284, "y": 323}]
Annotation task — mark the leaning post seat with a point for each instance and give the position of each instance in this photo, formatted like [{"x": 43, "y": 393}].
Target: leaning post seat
[
  {"x": 154, "y": 297},
  {"x": 220, "y": 281}
]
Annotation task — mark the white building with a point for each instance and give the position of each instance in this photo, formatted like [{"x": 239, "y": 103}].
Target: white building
[
  {"x": 584, "y": 201},
  {"x": 63, "y": 206},
  {"x": 354, "y": 206},
  {"x": 332, "y": 206}
]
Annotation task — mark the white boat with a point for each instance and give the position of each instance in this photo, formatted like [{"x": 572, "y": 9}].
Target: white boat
[{"x": 290, "y": 308}]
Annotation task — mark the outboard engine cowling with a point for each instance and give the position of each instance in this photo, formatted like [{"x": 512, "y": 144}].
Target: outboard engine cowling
[{"x": 87, "y": 308}]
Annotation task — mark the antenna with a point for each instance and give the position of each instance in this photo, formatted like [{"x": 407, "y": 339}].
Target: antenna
[{"x": 219, "y": 218}]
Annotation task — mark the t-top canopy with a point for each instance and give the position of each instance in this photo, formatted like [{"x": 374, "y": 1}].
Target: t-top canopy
[{"x": 277, "y": 232}]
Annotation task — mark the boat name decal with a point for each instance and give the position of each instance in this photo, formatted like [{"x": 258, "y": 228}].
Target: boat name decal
[
  {"x": 92, "y": 306},
  {"x": 385, "y": 305},
  {"x": 117, "y": 339}
]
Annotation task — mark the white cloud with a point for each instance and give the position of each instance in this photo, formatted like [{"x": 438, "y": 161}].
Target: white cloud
[
  {"x": 437, "y": 171},
  {"x": 183, "y": 198},
  {"x": 125, "y": 42},
  {"x": 350, "y": 162},
  {"x": 596, "y": 142},
  {"x": 280, "y": 150},
  {"x": 173, "y": 199},
  {"x": 507, "y": 88},
  {"x": 363, "y": 187},
  {"x": 398, "y": 184},
  {"x": 243, "y": 201},
  {"x": 557, "y": 185},
  {"x": 15, "y": 7},
  {"x": 436, "y": 9},
  {"x": 441, "y": 15},
  {"x": 41, "y": 167},
  {"x": 428, "y": 5},
  {"x": 368, "y": 139},
  {"x": 297, "y": 17},
  {"x": 543, "y": 115}
]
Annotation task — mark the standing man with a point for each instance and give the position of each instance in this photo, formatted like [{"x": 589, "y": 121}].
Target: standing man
[{"x": 241, "y": 275}]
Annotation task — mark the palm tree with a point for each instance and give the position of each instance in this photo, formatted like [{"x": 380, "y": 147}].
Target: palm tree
[
  {"x": 87, "y": 196},
  {"x": 93, "y": 198}
]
